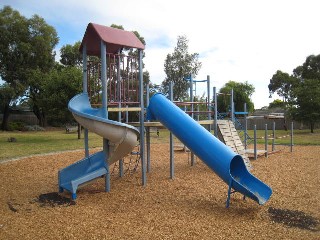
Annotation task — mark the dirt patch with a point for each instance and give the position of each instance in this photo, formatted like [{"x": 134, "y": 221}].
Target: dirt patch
[
  {"x": 54, "y": 199},
  {"x": 294, "y": 218}
]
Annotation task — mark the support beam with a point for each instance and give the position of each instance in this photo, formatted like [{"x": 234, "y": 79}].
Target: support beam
[
  {"x": 171, "y": 137},
  {"x": 215, "y": 112},
  {"x": 85, "y": 90},
  {"x": 142, "y": 146}
]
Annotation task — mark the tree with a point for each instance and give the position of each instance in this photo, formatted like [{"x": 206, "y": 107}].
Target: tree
[
  {"x": 61, "y": 84},
  {"x": 70, "y": 55},
  {"x": 26, "y": 47},
  {"x": 302, "y": 91},
  {"x": 307, "y": 104},
  {"x": 6, "y": 100},
  {"x": 277, "y": 103},
  {"x": 282, "y": 84},
  {"x": 178, "y": 66},
  {"x": 13, "y": 53},
  {"x": 241, "y": 94}
]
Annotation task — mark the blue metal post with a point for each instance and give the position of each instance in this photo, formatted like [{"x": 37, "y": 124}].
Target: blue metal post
[
  {"x": 273, "y": 135},
  {"x": 104, "y": 78},
  {"x": 209, "y": 103},
  {"x": 191, "y": 94},
  {"x": 198, "y": 110},
  {"x": 148, "y": 94},
  {"x": 255, "y": 142},
  {"x": 148, "y": 134},
  {"x": 215, "y": 112},
  {"x": 291, "y": 138},
  {"x": 266, "y": 140},
  {"x": 85, "y": 89},
  {"x": 245, "y": 127},
  {"x": 192, "y": 114},
  {"x": 232, "y": 106},
  {"x": 103, "y": 50},
  {"x": 121, "y": 173},
  {"x": 171, "y": 137},
  {"x": 142, "y": 147}
]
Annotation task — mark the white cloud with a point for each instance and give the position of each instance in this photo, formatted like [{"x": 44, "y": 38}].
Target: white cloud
[{"x": 244, "y": 40}]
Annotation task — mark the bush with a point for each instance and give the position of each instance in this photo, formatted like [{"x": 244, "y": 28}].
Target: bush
[
  {"x": 34, "y": 128},
  {"x": 16, "y": 126}
]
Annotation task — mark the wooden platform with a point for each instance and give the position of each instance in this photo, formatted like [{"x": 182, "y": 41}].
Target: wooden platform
[
  {"x": 159, "y": 124},
  {"x": 228, "y": 134}
]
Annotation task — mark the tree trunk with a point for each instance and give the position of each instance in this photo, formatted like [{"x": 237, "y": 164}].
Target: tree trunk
[
  {"x": 40, "y": 115},
  {"x": 311, "y": 126},
  {"x": 5, "y": 119}
]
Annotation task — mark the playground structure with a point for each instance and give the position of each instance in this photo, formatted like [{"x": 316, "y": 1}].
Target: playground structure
[{"x": 117, "y": 82}]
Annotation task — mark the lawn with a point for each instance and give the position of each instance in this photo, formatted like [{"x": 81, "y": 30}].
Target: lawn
[
  {"x": 40, "y": 142},
  {"x": 300, "y": 137}
]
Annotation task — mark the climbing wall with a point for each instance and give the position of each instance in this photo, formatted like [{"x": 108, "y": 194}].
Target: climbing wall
[{"x": 228, "y": 134}]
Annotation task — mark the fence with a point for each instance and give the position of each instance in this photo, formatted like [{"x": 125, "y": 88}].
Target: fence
[{"x": 29, "y": 118}]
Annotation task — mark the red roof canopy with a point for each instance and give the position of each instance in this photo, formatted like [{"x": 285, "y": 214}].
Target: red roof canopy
[{"x": 113, "y": 37}]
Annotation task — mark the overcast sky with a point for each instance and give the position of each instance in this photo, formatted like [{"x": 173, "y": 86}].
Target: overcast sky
[{"x": 239, "y": 40}]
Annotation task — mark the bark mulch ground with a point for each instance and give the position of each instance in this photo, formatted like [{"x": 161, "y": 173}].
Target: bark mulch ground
[{"x": 192, "y": 206}]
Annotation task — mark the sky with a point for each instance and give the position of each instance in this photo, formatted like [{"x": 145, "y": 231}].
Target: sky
[{"x": 245, "y": 40}]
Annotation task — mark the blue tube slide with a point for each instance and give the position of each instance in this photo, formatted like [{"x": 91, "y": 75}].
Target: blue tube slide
[{"x": 228, "y": 165}]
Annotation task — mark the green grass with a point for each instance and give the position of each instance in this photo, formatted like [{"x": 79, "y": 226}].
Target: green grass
[
  {"x": 29, "y": 143},
  {"x": 300, "y": 137}
]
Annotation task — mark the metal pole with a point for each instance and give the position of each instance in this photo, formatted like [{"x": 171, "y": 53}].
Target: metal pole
[
  {"x": 191, "y": 94},
  {"x": 192, "y": 114},
  {"x": 266, "y": 140},
  {"x": 171, "y": 137},
  {"x": 85, "y": 90},
  {"x": 291, "y": 138},
  {"x": 148, "y": 94},
  {"x": 148, "y": 133},
  {"x": 104, "y": 79},
  {"x": 198, "y": 110},
  {"x": 209, "y": 103},
  {"x": 232, "y": 107},
  {"x": 255, "y": 142},
  {"x": 121, "y": 173},
  {"x": 84, "y": 67},
  {"x": 103, "y": 50},
  {"x": 215, "y": 112},
  {"x": 273, "y": 135},
  {"x": 148, "y": 149},
  {"x": 245, "y": 127},
  {"x": 127, "y": 114},
  {"x": 143, "y": 164}
]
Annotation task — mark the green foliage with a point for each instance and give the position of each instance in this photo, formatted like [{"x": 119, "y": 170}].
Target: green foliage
[
  {"x": 61, "y": 85},
  {"x": 301, "y": 90},
  {"x": 277, "y": 103},
  {"x": 16, "y": 126},
  {"x": 70, "y": 55},
  {"x": 282, "y": 84},
  {"x": 27, "y": 47},
  {"x": 6, "y": 95},
  {"x": 241, "y": 94},
  {"x": 306, "y": 106},
  {"x": 179, "y": 65}
]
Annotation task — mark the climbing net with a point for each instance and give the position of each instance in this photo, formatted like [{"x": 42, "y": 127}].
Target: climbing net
[{"x": 130, "y": 163}]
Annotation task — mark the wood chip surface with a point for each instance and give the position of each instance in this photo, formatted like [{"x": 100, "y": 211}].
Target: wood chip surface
[{"x": 192, "y": 206}]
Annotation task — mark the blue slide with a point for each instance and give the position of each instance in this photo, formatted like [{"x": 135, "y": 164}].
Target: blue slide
[
  {"x": 228, "y": 165},
  {"x": 122, "y": 138}
]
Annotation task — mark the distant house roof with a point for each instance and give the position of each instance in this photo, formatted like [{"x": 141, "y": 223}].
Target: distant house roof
[{"x": 113, "y": 37}]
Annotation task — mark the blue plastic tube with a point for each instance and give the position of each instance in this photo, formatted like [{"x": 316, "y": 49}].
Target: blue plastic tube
[{"x": 228, "y": 165}]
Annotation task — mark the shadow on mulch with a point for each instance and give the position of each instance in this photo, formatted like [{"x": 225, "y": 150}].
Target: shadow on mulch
[
  {"x": 54, "y": 199},
  {"x": 294, "y": 218}
]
